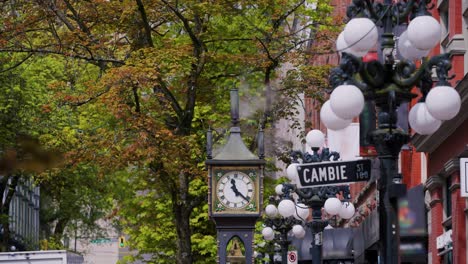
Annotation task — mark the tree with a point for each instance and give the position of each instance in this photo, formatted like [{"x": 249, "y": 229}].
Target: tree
[{"x": 164, "y": 67}]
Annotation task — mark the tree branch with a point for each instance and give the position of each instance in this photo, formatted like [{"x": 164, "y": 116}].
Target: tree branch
[
  {"x": 17, "y": 64},
  {"x": 146, "y": 25},
  {"x": 76, "y": 56}
]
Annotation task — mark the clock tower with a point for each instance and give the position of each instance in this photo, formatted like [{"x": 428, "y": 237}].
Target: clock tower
[{"x": 235, "y": 193}]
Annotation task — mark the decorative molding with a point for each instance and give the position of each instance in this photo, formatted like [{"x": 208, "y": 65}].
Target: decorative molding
[
  {"x": 434, "y": 202},
  {"x": 447, "y": 221},
  {"x": 450, "y": 167},
  {"x": 465, "y": 8},
  {"x": 434, "y": 182},
  {"x": 429, "y": 143},
  {"x": 456, "y": 45},
  {"x": 441, "y": 2},
  {"x": 454, "y": 187},
  {"x": 464, "y": 154}
]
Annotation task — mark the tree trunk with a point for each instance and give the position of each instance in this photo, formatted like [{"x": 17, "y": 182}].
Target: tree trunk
[
  {"x": 5, "y": 211},
  {"x": 6, "y": 234},
  {"x": 184, "y": 243}
]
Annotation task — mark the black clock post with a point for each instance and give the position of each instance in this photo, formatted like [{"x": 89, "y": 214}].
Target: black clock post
[{"x": 235, "y": 193}]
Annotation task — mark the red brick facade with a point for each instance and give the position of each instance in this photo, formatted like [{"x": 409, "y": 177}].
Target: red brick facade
[
  {"x": 435, "y": 156},
  {"x": 445, "y": 147}
]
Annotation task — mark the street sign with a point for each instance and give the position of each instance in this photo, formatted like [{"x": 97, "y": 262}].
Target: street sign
[
  {"x": 101, "y": 241},
  {"x": 463, "y": 177},
  {"x": 292, "y": 257},
  {"x": 328, "y": 173}
]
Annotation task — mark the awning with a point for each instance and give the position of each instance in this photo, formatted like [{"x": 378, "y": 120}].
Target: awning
[{"x": 338, "y": 244}]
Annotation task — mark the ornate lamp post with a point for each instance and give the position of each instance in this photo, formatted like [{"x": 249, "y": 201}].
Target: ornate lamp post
[
  {"x": 387, "y": 84},
  {"x": 278, "y": 226},
  {"x": 316, "y": 197}
]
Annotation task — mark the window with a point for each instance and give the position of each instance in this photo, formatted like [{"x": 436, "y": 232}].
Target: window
[
  {"x": 444, "y": 21},
  {"x": 448, "y": 198}
]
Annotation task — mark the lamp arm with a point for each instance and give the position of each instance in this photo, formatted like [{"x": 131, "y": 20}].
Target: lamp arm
[
  {"x": 335, "y": 155},
  {"x": 372, "y": 12},
  {"x": 304, "y": 193},
  {"x": 288, "y": 188},
  {"x": 406, "y": 75},
  {"x": 295, "y": 155},
  {"x": 373, "y": 73},
  {"x": 443, "y": 65},
  {"x": 401, "y": 16},
  {"x": 349, "y": 66}
]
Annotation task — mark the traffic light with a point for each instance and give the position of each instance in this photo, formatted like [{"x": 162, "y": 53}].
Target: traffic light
[{"x": 121, "y": 242}]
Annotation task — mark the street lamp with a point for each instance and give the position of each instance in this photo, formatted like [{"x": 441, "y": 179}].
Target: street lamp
[
  {"x": 335, "y": 207},
  {"x": 313, "y": 197},
  {"x": 281, "y": 220},
  {"x": 316, "y": 198},
  {"x": 388, "y": 84}
]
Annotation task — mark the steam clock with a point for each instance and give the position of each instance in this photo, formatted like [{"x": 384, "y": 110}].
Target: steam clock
[{"x": 235, "y": 187}]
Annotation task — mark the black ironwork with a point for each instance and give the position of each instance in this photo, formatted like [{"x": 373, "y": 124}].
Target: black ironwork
[
  {"x": 306, "y": 157},
  {"x": 282, "y": 225},
  {"x": 315, "y": 198},
  {"x": 388, "y": 84}
]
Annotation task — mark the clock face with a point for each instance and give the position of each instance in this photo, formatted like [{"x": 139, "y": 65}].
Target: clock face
[{"x": 235, "y": 190}]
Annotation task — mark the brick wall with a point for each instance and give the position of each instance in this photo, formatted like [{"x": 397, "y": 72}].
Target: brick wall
[
  {"x": 458, "y": 221},
  {"x": 436, "y": 224}
]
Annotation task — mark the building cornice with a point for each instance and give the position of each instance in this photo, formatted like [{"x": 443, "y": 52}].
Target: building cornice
[
  {"x": 456, "y": 45},
  {"x": 450, "y": 167},
  {"x": 454, "y": 187},
  {"x": 434, "y": 182},
  {"x": 434, "y": 202},
  {"x": 429, "y": 143}
]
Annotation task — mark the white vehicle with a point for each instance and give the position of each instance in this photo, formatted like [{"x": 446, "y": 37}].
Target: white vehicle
[{"x": 41, "y": 257}]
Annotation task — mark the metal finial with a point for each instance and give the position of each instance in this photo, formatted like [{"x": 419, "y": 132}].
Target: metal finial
[
  {"x": 261, "y": 143},
  {"x": 209, "y": 143},
  {"x": 234, "y": 93}
]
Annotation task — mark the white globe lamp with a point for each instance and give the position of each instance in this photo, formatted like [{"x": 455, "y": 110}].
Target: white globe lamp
[
  {"x": 342, "y": 46},
  {"x": 361, "y": 34},
  {"x": 332, "y": 206},
  {"x": 268, "y": 233},
  {"x": 279, "y": 189},
  {"x": 407, "y": 50},
  {"x": 286, "y": 208},
  {"x": 291, "y": 172},
  {"x": 424, "y": 32},
  {"x": 347, "y": 101},
  {"x": 443, "y": 102},
  {"x": 315, "y": 138},
  {"x": 331, "y": 120},
  {"x": 298, "y": 231},
  {"x": 302, "y": 212},
  {"x": 271, "y": 211},
  {"x": 422, "y": 121},
  {"x": 347, "y": 210}
]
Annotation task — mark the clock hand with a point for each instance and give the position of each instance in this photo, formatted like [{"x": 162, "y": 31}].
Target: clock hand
[
  {"x": 234, "y": 188},
  {"x": 245, "y": 198},
  {"x": 236, "y": 192}
]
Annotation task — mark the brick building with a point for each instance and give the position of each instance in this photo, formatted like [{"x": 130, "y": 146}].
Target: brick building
[
  {"x": 429, "y": 165},
  {"x": 447, "y": 209}
]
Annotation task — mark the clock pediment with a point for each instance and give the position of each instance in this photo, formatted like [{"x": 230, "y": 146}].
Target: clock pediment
[{"x": 235, "y": 148}]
